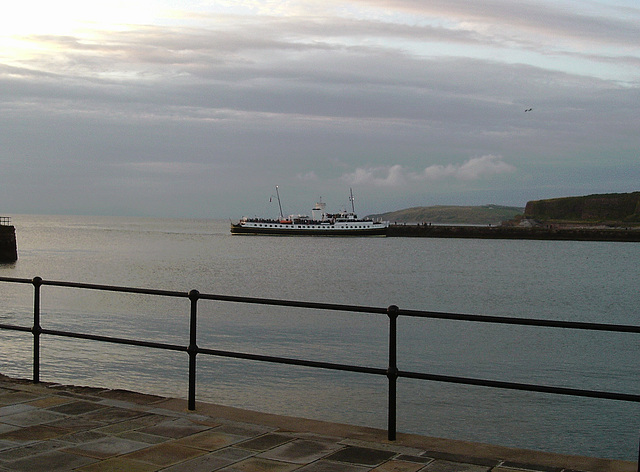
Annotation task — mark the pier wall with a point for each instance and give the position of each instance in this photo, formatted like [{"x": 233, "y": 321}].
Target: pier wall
[
  {"x": 8, "y": 245},
  {"x": 511, "y": 232}
]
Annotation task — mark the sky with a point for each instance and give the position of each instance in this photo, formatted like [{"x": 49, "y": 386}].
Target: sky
[{"x": 197, "y": 108}]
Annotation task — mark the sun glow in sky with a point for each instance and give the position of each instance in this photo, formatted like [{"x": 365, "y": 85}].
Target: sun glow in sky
[
  {"x": 397, "y": 97},
  {"x": 30, "y": 17},
  {"x": 27, "y": 27}
]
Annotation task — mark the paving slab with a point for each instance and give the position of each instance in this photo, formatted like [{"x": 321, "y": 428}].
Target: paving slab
[
  {"x": 452, "y": 457},
  {"x": 111, "y": 415},
  {"x": 34, "y": 433},
  {"x": 76, "y": 407},
  {"x": 75, "y": 424},
  {"x": 267, "y": 441},
  {"x": 415, "y": 459},
  {"x": 177, "y": 428},
  {"x": 361, "y": 456},
  {"x": 447, "y": 466},
  {"x": 123, "y": 404},
  {"x": 399, "y": 466},
  {"x": 205, "y": 463},
  {"x": 31, "y": 449},
  {"x": 32, "y": 417},
  {"x": 16, "y": 397},
  {"x": 15, "y": 409},
  {"x": 143, "y": 437},
  {"x": 118, "y": 464},
  {"x": 387, "y": 446},
  {"x": 301, "y": 451},
  {"x": 106, "y": 447},
  {"x": 246, "y": 430},
  {"x": 81, "y": 437},
  {"x": 7, "y": 445},
  {"x": 49, "y": 401},
  {"x": 165, "y": 454},
  {"x": 328, "y": 466},
  {"x": 210, "y": 440},
  {"x": 232, "y": 454},
  {"x": 136, "y": 423},
  {"x": 5, "y": 428},
  {"x": 257, "y": 464},
  {"x": 55, "y": 461}
]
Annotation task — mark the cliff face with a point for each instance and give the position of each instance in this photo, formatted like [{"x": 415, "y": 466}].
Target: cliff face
[{"x": 605, "y": 208}]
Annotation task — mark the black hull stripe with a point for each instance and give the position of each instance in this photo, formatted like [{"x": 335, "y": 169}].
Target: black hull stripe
[{"x": 237, "y": 229}]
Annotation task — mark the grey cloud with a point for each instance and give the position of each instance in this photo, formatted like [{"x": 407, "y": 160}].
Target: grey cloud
[
  {"x": 543, "y": 17},
  {"x": 181, "y": 115}
]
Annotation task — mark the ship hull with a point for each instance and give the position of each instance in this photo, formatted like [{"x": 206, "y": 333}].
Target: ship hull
[{"x": 292, "y": 230}]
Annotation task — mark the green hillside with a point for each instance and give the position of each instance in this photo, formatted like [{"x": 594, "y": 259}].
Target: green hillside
[{"x": 448, "y": 214}]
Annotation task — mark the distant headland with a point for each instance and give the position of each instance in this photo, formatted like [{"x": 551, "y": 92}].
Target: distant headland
[
  {"x": 450, "y": 214},
  {"x": 613, "y": 210},
  {"x": 602, "y": 217}
]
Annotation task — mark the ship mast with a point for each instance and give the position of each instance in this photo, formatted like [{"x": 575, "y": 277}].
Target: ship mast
[
  {"x": 353, "y": 209},
  {"x": 279, "y": 204}
]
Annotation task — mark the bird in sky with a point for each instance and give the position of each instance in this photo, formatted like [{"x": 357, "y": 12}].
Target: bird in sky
[{"x": 528, "y": 109}]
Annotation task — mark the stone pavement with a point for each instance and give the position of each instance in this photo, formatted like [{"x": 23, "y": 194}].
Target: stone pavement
[{"x": 50, "y": 427}]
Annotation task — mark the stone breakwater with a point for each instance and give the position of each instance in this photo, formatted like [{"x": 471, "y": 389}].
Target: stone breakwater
[
  {"x": 510, "y": 232},
  {"x": 8, "y": 246}
]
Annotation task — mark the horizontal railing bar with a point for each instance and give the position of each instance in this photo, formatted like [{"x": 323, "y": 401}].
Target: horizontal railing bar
[
  {"x": 109, "y": 339},
  {"x": 294, "y": 303},
  {"x": 293, "y": 361},
  {"x": 116, "y": 288},
  {"x": 521, "y": 321},
  {"x": 16, "y": 328},
  {"x": 352, "y": 308},
  {"x": 522, "y": 386},
  {"x": 432, "y": 377},
  {"x": 16, "y": 280}
]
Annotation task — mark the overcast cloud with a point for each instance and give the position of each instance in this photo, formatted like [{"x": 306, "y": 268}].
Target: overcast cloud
[{"x": 198, "y": 109}]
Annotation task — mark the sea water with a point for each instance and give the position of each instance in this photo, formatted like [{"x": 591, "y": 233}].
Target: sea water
[{"x": 564, "y": 280}]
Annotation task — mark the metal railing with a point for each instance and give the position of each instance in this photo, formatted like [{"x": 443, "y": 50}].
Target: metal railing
[
  {"x": 391, "y": 371},
  {"x": 5, "y": 221}
]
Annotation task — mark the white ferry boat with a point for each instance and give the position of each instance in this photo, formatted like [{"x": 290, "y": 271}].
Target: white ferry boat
[{"x": 320, "y": 223}]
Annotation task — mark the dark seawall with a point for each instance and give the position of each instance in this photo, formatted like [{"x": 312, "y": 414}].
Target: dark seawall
[
  {"x": 510, "y": 232},
  {"x": 8, "y": 246}
]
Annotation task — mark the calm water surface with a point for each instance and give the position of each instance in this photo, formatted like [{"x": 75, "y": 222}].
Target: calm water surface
[{"x": 585, "y": 281}]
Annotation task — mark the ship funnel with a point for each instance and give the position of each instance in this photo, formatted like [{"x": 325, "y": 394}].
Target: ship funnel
[{"x": 318, "y": 213}]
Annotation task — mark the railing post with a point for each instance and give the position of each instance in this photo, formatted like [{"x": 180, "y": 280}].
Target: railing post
[
  {"x": 194, "y": 295},
  {"x": 37, "y": 329},
  {"x": 392, "y": 371}
]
